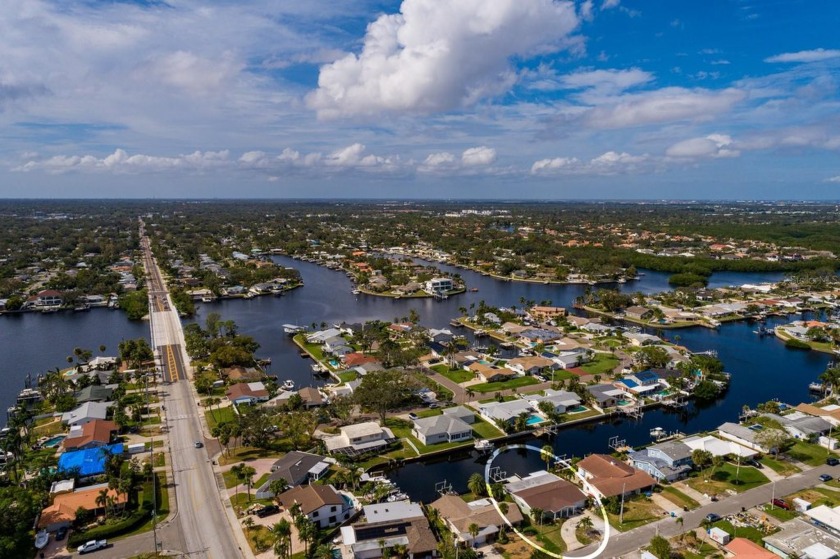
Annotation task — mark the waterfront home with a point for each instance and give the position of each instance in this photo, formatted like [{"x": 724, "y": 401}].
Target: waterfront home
[
  {"x": 801, "y": 426},
  {"x": 544, "y": 314},
  {"x": 567, "y": 359},
  {"x": 459, "y": 515},
  {"x": 371, "y": 540},
  {"x": 321, "y": 504},
  {"x": 93, "y": 434},
  {"x": 830, "y": 413},
  {"x": 282, "y": 398},
  {"x": 461, "y": 412},
  {"x": 249, "y": 393},
  {"x": 48, "y": 298},
  {"x": 85, "y": 413},
  {"x": 718, "y": 447},
  {"x": 359, "y": 439},
  {"x": 744, "y": 436},
  {"x": 504, "y": 411},
  {"x": 62, "y": 512},
  {"x": 579, "y": 321},
  {"x": 534, "y": 336},
  {"x": 441, "y": 429},
  {"x": 561, "y": 400},
  {"x": 297, "y": 468},
  {"x": 240, "y": 374},
  {"x": 321, "y": 336},
  {"x": 666, "y": 461},
  {"x": 556, "y": 497},
  {"x": 513, "y": 329},
  {"x": 94, "y": 393},
  {"x": 355, "y": 359},
  {"x": 598, "y": 329},
  {"x": 631, "y": 386},
  {"x": 638, "y": 313},
  {"x": 639, "y": 339},
  {"x": 311, "y": 397},
  {"x": 606, "y": 395},
  {"x": 437, "y": 286},
  {"x": 606, "y": 476},
  {"x": 532, "y": 365},
  {"x": 369, "y": 367},
  {"x": 798, "y": 538}
]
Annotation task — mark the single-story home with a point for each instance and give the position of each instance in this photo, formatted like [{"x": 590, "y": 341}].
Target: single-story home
[
  {"x": 556, "y": 497},
  {"x": 441, "y": 429},
  {"x": 459, "y": 515},
  {"x": 369, "y": 540},
  {"x": 504, "y": 411},
  {"x": 85, "y": 413},
  {"x": 249, "y": 393},
  {"x": 606, "y": 476},
  {"x": 62, "y": 512},
  {"x": 296, "y": 468},
  {"x": 93, "y": 434},
  {"x": 561, "y": 400},
  {"x": 532, "y": 365},
  {"x": 359, "y": 439}
]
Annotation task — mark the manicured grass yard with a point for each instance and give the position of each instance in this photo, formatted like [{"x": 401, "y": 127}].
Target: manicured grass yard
[
  {"x": 455, "y": 375},
  {"x": 780, "y": 467},
  {"x": 549, "y": 536},
  {"x": 602, "y": 364},
  {"x": 484, "y": 430},
  {"x": 517, "y": 382},
  {"x": 724, "y": 478},
  {"x": 219, "y": 415},
  {"x": 811, "y": 454},
  {"x": 637, "y": 512},
  {"x": 678, "y": 497},
  {"x": 780, "y": 514}
]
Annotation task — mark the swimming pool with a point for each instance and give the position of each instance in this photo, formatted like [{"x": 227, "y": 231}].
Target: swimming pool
[
  {"x": 53, "y": 442},
  {"x": 534, "y": 419},
  {"x": 576, "y": 409}
]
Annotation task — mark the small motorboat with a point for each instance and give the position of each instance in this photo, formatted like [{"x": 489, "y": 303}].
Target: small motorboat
[
  {"x": 288, "y": 384},
  {"x": 42, "y": 538}
]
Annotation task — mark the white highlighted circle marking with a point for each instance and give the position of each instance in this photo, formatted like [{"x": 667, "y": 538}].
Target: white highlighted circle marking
[{"x": 523, "y": 537}]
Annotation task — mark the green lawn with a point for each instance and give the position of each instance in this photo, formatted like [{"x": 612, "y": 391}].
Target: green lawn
[
  {"x": 455, "y": 375},
  {"x": 748, "y": 532},
  {"x": 549, "y": 536},
  {"x": 147, "y": 501},
  {"x": 637, "y": 512},
  {"x": 783, "y": 468},
  {"x": 219, "y": 415},
  {"x": 780, "y": 514},
  {"x": 679, "y": 498},
  {"x": 724, "y": 478},
  {"x": 485, "y": 430},
  {"x": 602, "y": 364},
  {"x": 348, "y": 376},
  {"x": 811, "y": 454},
  {"x": 517, "y": 382}
]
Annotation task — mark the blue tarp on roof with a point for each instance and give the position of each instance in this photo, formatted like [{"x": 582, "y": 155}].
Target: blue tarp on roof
[
  {"x": 628, "y": 383},
  {"x": 90, "y": 462},
  {"x": 646, "y": 376}
]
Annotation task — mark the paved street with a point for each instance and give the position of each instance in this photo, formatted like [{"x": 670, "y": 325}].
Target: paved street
[{"x": 621, "y": 544}]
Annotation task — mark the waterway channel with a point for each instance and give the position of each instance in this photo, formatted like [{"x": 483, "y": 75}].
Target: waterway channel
[{"x": 762, "y": 368}]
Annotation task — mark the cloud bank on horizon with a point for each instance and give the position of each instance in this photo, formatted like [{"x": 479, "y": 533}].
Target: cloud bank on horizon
[{"x": 419, "y": 98}]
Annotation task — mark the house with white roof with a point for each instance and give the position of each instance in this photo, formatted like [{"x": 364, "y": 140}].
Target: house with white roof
[
  {"x": 504, "y": 411},
  {"x": 85, "y": 413},
  {"x": 360, "y": 439},
  {"x": 561, "y": 400},
  {"x": 718, "y": 447},
  {"x": 441, "y": 429}
]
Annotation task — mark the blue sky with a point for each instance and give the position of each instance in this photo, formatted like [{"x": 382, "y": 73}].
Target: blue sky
[{"x": 420, "y": 99}]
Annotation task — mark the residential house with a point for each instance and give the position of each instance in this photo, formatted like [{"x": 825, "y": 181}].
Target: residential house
[
  {"x": 297, "y": 468},
  {"x": 801, "y": 426},
  {"x": 489, "y": 373},
  {"x": 666, "y": 461},
  {"x": 532, "y": 365},
  {"x": 568, "y": 359},
  {"x": 606, "y": 395},
  {"x": 639, "y": 339},
  {"x": 638, "y": 313},
  {"x": 461, "y": 412},
  {"x": 504, "y": 411},
  {"x": 360, "y": 439},
  {"x": 242, "y": 374},
  {"x": 544, "y": 313},
  {"x": 556, "y": 497},
  {"x": 534, "y": 336},
  {"x": 744, "y": 436},
  {"x": 798, "y": 538},
  {"x": 459, "y": 515},
  {"x": 356, "y": 359},
  {"x": 370, "y": 540},
  {"x": 321, "y": 504},
  {"x": 323, "y": 335},
  {"x": 560, "y": 400},
  {"x": 249, "y": 393},
  {"x": 94, "y": 393},
  {"x": 606, "y": 476},
  {"x": 93, "y": 434},
  {"x": 85, "y": 413},
  {"x": 89, "y": 462},
  {"x": 742, "y": 548},
  {"x": 311, "y": 397},
  {"x": 439, "y": 286},
  {"x": 46, "y": 299},
  {"x": 62, "y": 512},
  {"x": 718, "y": 447},
  {"x": 441, "y": 429}
]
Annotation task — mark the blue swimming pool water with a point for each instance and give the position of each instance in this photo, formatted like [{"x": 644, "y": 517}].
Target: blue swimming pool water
[
  {"x": 534, "y": 419},
  {"x": 53, "y": 442}
]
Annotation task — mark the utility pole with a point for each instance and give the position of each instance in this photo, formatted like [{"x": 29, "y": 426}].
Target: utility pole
[{"x": 621, "y": 512}]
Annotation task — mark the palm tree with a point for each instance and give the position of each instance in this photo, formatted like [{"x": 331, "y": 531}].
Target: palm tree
[
  {"x": 473, "y": 529},
  {"x": 476, "y": 485},
  {"x": 585, "y": 524},
  {"x": 537, "y": 514},
  {"x": 278, "y": 486},
  {"x": 282, "y": 532},
  {"x": 248, "y": 523},
  {"x": 547, "y": 453},
  {"x": 248, "y": 474},
  {"x": 102, "y": 500}
]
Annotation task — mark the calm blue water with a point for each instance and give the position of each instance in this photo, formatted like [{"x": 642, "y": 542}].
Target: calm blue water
[{"x": 762, "y": 368}]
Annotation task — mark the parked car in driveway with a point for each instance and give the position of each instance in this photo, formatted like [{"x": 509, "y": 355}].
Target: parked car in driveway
[
  {"x": 831, "y": 461},
  {"x": 782, "y": 504},
  {"x": 712, "y": 517},
  {"x": 825, "y": 477},
  {"x": 268, "y": 510}
]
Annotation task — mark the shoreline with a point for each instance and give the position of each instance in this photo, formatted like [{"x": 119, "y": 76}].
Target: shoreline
[{"x": 424, "y": 295}]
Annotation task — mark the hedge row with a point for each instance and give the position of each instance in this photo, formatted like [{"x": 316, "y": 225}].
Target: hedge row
[{"x": 125, "y": 526}]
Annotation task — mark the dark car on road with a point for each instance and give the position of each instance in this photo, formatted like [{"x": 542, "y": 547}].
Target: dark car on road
[
  {"x": 712, "y": 517},
  {"x": 268, "y": 510},
  {"x": 832, "y": 461},
  {"x": 825, "y": 477}
]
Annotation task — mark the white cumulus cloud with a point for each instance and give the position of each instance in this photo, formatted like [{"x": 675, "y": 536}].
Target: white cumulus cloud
[
  {"x": 713, "y": 145},
  {"x": 121, "y": 162},
  {"x": 814, "y": 55},
  {"x": 608, "y": 163},
  {"x": 436, "y": 56},
  {"x": 481, "y": 155},
  {"x": 833, "y": 179}
]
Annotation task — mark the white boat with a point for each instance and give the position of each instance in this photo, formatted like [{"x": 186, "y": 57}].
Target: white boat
[
  {"x": 42, "y": 538},
  {"x": 657, "y": 432},
  {"x": 483, "y": 445},
  {"x": 356, "y": 292},
  {"x": 292, "y": 329},
  {"x": 288, "y": 384}
]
